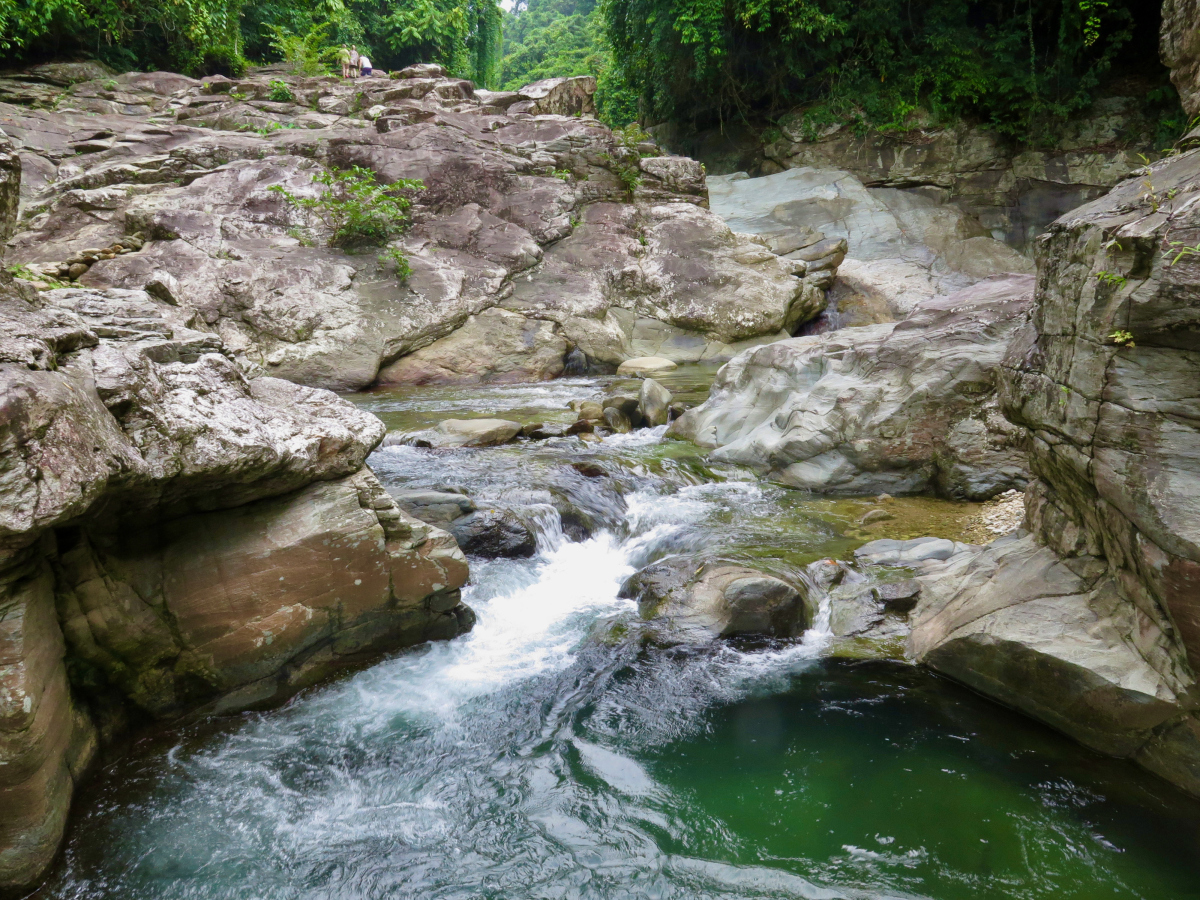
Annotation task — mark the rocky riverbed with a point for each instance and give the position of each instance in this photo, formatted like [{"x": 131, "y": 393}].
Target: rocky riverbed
[{"x": 917, "y": 456}]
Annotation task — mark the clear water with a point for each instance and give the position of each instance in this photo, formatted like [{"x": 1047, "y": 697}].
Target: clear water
[{"x": 540, "y": 756}]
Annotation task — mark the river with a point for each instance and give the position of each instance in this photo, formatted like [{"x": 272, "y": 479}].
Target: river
[{"x": 548, "y": 755}]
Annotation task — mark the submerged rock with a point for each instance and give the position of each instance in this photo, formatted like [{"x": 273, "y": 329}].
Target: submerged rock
[
  {"x": 899, "y": 408},
  {"x": 493, "y": 533},
  {"x": 475, "y": 432},
  {"x": 696, "y": 602}
]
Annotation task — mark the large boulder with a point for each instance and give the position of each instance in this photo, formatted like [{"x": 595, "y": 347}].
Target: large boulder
[
  {"x": 899, "y": 408},
  {"x": 176, "y": 537},
  {"x": 691, "y": 603}
]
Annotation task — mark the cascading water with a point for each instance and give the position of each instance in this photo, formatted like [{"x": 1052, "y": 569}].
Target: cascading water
[{"x": 544, "y": 755}]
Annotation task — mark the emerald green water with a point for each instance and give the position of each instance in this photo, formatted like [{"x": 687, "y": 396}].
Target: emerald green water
[{"x": 539, "y": 757}]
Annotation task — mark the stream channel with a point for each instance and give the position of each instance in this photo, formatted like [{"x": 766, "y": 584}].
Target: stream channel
[{"x": 544, "y": 756}]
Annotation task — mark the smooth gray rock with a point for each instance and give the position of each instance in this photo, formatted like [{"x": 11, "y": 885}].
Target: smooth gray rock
[
  {"x": 654, "y": 402},
  {"x": 1017, "y": 624},
  {"x": 475, "y": 432},
  {"x": 897, "y": 408}
]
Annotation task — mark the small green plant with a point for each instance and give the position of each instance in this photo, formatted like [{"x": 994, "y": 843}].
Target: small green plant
[
  {"x": 632, "y": 136},
  {"x": 1111, "y": 278},
  {"x": 563, "y": 174},
  {"x": 238, "y": 95},
  {"x": 396, "y": 255},
  {"x": 273, "y": 127},
  {"x": 280, "y": 92},
  {"x": 1064, "y": 394},
  {"x": 574, "y": 221},
  {"x": 1122, "y": 338},
  {"x": 27, "y": 274},
  {"x": 1182, "y": 250},
  {"x": 355, "y": 208},
  {"x": 302, "y": 235},
  {"x": 110, "y": 85}
]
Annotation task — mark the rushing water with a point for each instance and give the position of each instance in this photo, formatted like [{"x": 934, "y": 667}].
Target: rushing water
[{"x": 542, "y": 756}]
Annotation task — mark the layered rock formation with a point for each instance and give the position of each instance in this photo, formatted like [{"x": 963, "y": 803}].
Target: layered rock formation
[
  {"x": 1179, "y": 48},
  {"x": 898, "y": 247},
  {"x": 532, "y": 212},
  {"x": 175, "y": 537},
  {"x": 900, "y": 407}
]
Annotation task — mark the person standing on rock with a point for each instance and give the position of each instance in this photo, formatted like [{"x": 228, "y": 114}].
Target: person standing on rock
[
  {"x": 354, "y": 58},
  {"x": 364, "y": 65},
  {"x": 344, "y": 59}
]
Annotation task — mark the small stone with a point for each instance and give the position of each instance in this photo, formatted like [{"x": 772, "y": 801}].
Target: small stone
[
  {"x": 477, "y": 432},
  {"x": 875, "y": 515},
  {"x": 76, "y": 270},
  {"x": 884, "y": 498},
  {"x": 583, "y": 426},
  {"x": 589, "y": 437},
  {"x": 589, "y": 470},
  {"x": 589, "y": 409}
]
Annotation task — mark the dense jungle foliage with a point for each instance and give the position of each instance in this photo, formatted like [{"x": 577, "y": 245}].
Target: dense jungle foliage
[
  {"x": 207, "y": 36},
  {"x": 562, "y": 38},
  {"x": 1020, "y": 65}
]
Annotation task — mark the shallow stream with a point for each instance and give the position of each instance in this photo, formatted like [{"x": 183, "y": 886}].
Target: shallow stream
[{"x": 541, "y": 756}]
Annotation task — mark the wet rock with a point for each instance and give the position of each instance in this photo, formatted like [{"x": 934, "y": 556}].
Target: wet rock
[
  {"x": 575, "y": 363},
  {"x": 10, "y": 186},
  {"x": 628, "y": 404},
  {"x": 583, "y": 426},
  {"x": 589, "y": 469},
  {"x": 898, "y": 408},
  {"x": 493, "y": 533},
  {"x": 875, "y": 515},
  {"x": 540, "y": 431},
  {"x": 588, "y": 409},
  {"x": 646, "y": 366},
  {"x": 617, "y": 420},
  {"x": 435, "y": 507},
  {"x": 654, "y": 402},
  {"x": 476, "y": 432},
  {"x": 697, "y": 602}
]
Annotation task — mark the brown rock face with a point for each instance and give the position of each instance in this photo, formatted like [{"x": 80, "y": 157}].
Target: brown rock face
[
  {"x": 1179, "y": 48},
  {"x": 179, "y": 538}
]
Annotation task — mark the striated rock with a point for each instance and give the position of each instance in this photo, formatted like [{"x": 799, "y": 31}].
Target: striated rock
[
  {"x": 897, "y": 408},
  {"x": 1104, "y": 379},
  {"x": 1012, "y": 191},
  {"x": 558, "y": 97},
  {"x": 1046, "y": 636},
  {"x": 892, "y": 249},
  {"x": 693, "y": 603},
  {"x": 179, "y": 538},
  {"x": 1179, "y": 49},
  {"x": 10, "y": 186}
]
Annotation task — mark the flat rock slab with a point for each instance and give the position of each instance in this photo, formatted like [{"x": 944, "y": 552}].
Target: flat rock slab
[{"x": 646, "y": 366}]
